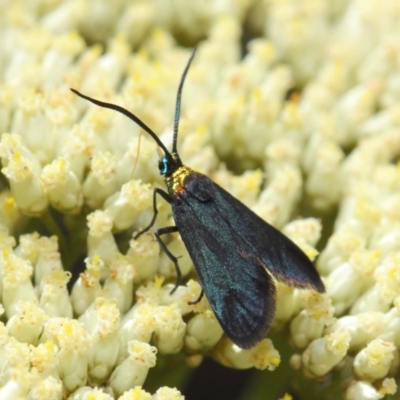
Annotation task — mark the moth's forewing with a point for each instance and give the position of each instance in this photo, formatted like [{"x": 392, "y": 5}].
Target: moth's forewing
[{"x": 239, "y": 290}]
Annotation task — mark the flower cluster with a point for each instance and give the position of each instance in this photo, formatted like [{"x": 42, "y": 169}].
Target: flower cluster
[{"x": 309, "y": 121}]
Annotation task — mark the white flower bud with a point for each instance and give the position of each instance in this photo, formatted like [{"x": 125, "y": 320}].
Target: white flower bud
[
  {"x": 119, "y": 284},
  {"x": 44, "y": 359},
  {"x": 77, "y": 150},
  {"x": 373, "y": 362},
  {"x": 151, "y": 293},
  {"x": 391, "y": 327},
  {"x": 11, "y": 145},
  {"x": 137, "y": 324},
  {"x": 62, "y": 186},
  {"x": 63, "y": 51},
  {"x": 136, "y": 162},
  {"x": 297, "y": 231},
  {"x": 87, "y": 287},
  {"x": 144, "y": 252},
  {"x": 362, "y": 328},
  {"x": 279, "y": 152},
  {"x": 48, "y": 257},
  {"x": 311, "y": 321},
  {"x": 13, "y": 390},
  {"x": 246, "y": 187},
  {"x": 101, "y": 320},
  {"x": 26, "y": 325},
  {"x": 308, "y": 229},
  {"x": 54, "y": 298},
  {"x": 25, "y": 185},
  {"x": 323, "y": 184},
  {"x": 74, "y": 344},
  {"x": 100, "y": 182},
  {"x": 281, "y": 195},
  {"x": 100, "y": 240},
  {"x": 196, "y": 147},
  {"x": 325, "y": 353},
  {"x": 16, "y": 356},
  {"x": 203, "y": 332},
  {"x": 354, "y": 107},
  {"x": 389, "y": 386},
  {"x": 386, "y": 238},
  {"x": 361, "y": 390},
  {"x": 125, "y": 206},
  {"x": 17, "y": 283},
  {"x": 16, "y": 378},
  {"x": 28, "y": 247},
  {"x": 387, "y": 276},
  {"x": 345, "y": 284},
  {"x": 133, "y": 370},
  {"x": 169, "y": 329},
  {"x": 338, "y": 250},
  {"x": 288, "y": 302},
  {"x": 372, "y": 300},
  {"x": 48, "y": 388},
  {"x": 166, "y": 393},
  {"x": 262, "y": 356}
]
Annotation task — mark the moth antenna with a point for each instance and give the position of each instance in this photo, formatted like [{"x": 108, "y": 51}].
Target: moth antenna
[
  {"x": 178, "y": 102},
  {"x": 128, "y": 114}
]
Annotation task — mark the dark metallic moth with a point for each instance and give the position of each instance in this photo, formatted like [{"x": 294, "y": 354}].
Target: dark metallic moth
[{"x": 234, "y": 251}]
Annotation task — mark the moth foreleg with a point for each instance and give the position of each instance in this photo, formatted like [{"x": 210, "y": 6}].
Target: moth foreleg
[{"x": 166, "y": 197}]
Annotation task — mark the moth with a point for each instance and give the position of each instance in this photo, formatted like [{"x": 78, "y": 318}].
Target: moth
[{"x": 237, "y": 255}]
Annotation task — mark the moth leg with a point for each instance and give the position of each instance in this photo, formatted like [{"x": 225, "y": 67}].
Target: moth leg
[
  {"x": 166, "y": 197},
  {"x": 198, "y": 300},
  {"x": 164, "y": 231}
]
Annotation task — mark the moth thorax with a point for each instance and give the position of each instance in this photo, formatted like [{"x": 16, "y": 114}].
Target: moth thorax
[{"x": 175, "y": 182}]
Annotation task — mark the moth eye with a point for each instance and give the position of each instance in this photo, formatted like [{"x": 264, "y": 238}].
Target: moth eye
[{"x": 163, "y": 166}]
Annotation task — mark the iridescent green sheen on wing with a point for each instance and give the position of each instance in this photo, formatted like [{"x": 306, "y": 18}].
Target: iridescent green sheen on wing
[{"x": 234, "y": 280}]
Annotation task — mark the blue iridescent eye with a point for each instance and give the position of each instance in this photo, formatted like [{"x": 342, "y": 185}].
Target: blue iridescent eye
[{"x": 163, "y": 165}]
